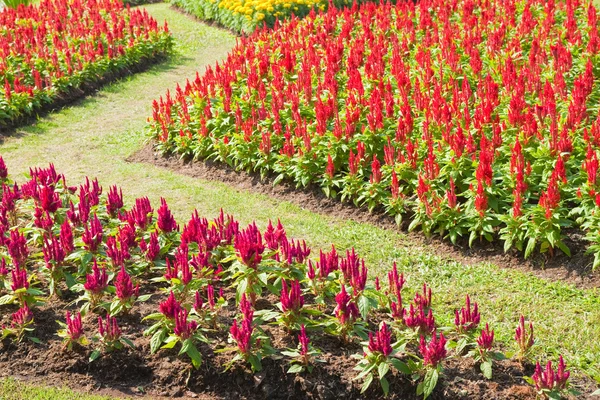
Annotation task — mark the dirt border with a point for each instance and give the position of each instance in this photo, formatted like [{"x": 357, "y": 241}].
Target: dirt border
[{"x": 576, "y": 270}]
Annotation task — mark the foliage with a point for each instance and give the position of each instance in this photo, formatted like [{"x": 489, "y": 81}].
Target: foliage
[
  {"x": 418, "y": 108},
  {"x": 52, "y": 49}
]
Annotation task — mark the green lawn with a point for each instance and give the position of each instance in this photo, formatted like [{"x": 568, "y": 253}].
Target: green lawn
[{"x": 95, "y": 136}]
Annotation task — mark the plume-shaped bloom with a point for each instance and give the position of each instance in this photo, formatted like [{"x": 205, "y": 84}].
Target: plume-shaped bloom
[
  {"x": 108, "y": 329},
  {"x": 381, "y": 342},
  {"x": 242, "y": 333},
  {"x": 346, "y": 310},
  {"x": 92, "y": 235},
  {"x": 486, "y": 339},
  {"x": 97, "y": 281},
  {"x": 170, "y": 307},
  {"x": 548, "y": 379},
  {"x": 22, "y": 316},
  {"x": 467, "y": 319},
  {"x": 304, "y": 341},
  {"x": 292, "y": 299},
  {"x": 524, "y": 340},
  {"x": 434, "y": 351},
  {"x": 19, "y": 279},
  {"x": 124, "y": 286},
  {"x": 249, "y": 246},
  {"x": 114, "y": 201},
  {"x": 74, "y": 326},
  {"x": 184, "y": 329},
  {"x": 165, "y": 221}
]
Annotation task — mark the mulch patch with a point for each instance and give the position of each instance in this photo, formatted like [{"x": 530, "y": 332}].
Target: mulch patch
[{"x": 135, "y": 372}]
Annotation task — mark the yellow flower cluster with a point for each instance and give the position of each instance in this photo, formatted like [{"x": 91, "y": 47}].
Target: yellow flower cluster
[{"x": 258, "y": 10}]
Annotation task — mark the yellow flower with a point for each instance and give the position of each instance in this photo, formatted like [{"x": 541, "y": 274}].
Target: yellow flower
[
  {"x": 270, "y": 9},
  {"x": 260, "y": 16}
]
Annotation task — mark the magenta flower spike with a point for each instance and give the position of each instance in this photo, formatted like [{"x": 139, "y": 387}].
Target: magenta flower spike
[
  {"x": 22, "y": 317},
  {"x": 19, "y": 279},
  {"x": 467, "y": 319},
  {"x": 166, "y": 222},
  {"x": 242, "y": 333},
  {"x": 434, "y": 351},
  {"x": 17, "y": 247},
  {"x": 97, "y": 281},
  {"x": 92, "y": 235},
  {"x": 395, "y": 280},
  {"x": 183, "y": 328},
  {"x": 3, "y": 169},
  {"x": 381, "y": 342},
  {"x": 291, "y": 300},
  {"x": 114, "y": 201},
  {"x": 486, "y": 338},
  {"x": 424, "y": 298},
  {"x": 49, "y": 200},
  {"x": 249, "y": 246},
  {"x": 198, "y": 302},
  {"x": 109, "y": 329},
  {"x": 170, "y": 308},
  {"x": 53, "y": 252},
  {"x": 66, "y": 237},
  {"x": 124, "y": 286},
  {"x": 151, "y": 249},
  {"x": 304, "y": 341},
  {"x": 346, "y": 310},
  {"x": 524, "y": 340},
  {"x": 548, "y": 379},
  {"x": 210, "y": 295},
  {"x": 74, "y": 326}
]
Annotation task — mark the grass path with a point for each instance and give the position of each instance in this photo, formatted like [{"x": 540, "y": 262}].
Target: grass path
[{"x": 95, "y": 136}]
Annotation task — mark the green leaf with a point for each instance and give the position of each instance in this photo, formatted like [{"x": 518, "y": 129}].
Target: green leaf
[
  {"x": 367, "y": 383},
  {"x": 430, "y": 382},
  {"x": 401, "y": 366},
  {"x": 363, "y": 306},
  {"x": 295, "y": 369},
  {"x": 383, "y": 369},
  {"x": 241, "y": 289},
  {"x": 95, "y": 354},
  {"x": 596, "y": 393},
  {"x": 486, "y": 369},
  {"x": 144, "y": 297},
  {"x": 255, "y": 363},
  {"x": 194, "y": 354},
  {"x": 385, "y": 385},
  {"x": 157, "y": 340},
  {"x": 530, "y": 247}
]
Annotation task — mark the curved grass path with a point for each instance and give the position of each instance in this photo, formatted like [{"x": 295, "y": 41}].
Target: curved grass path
[{"x": 95, "y": 136}]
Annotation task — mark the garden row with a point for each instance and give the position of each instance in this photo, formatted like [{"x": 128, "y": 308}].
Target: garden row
[
  {"x": 84, "y": 251},
  {"x": 51, "y": 50},
  {"x": 247, "y": 16},
  {"x": 475, "y": 119}
]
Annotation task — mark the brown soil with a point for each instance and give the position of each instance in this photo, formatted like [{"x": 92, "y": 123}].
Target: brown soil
[
  {"x": 576, "y": 269},
  {"x": 134, "y": 372}
]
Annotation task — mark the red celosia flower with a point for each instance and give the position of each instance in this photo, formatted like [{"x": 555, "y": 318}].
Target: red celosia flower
[
  {"x": 524, "y": 340},
  {"x": 19, "y": 279},
  {"x": 97, "y": 281},
  {"x": 547, "y": 379},
  {"x": 166, "y": 222},
  {"x": 170, "y": 308},
  {"x": 183, "y": 328},
  {"x": 249, "y": 246},
  {"x": 434, "y": 351},
  {"x": 92, "y": 236},
  {"x": 304, "y": 341},
  {"x": 346, "y": 310},
  {"x": 109, "y": 329},
  {"x": 74, "y": 326},
  {"x": 486, "y": 338},
  {"x": 23, "y": 316},
  {"x": 291, "y": 300},
  {"x": 467, "y": 319},
  {"x": 124, "y": 286},
  {"x": 114, "y": 201},
  {"x": 382, "y": 341}
]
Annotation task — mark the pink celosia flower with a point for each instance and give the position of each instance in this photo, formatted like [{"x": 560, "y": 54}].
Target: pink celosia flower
[
  {"x": 382, "y": 341},
  {"x": 434, "y": 351}
]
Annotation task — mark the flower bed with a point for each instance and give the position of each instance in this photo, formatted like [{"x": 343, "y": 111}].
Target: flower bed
[
  {"x": 48, "y": 51},
  {"x": 246, "y": 16},
  {"x": 107, "y": 273},
  {"x": 477, "y": 120}
]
